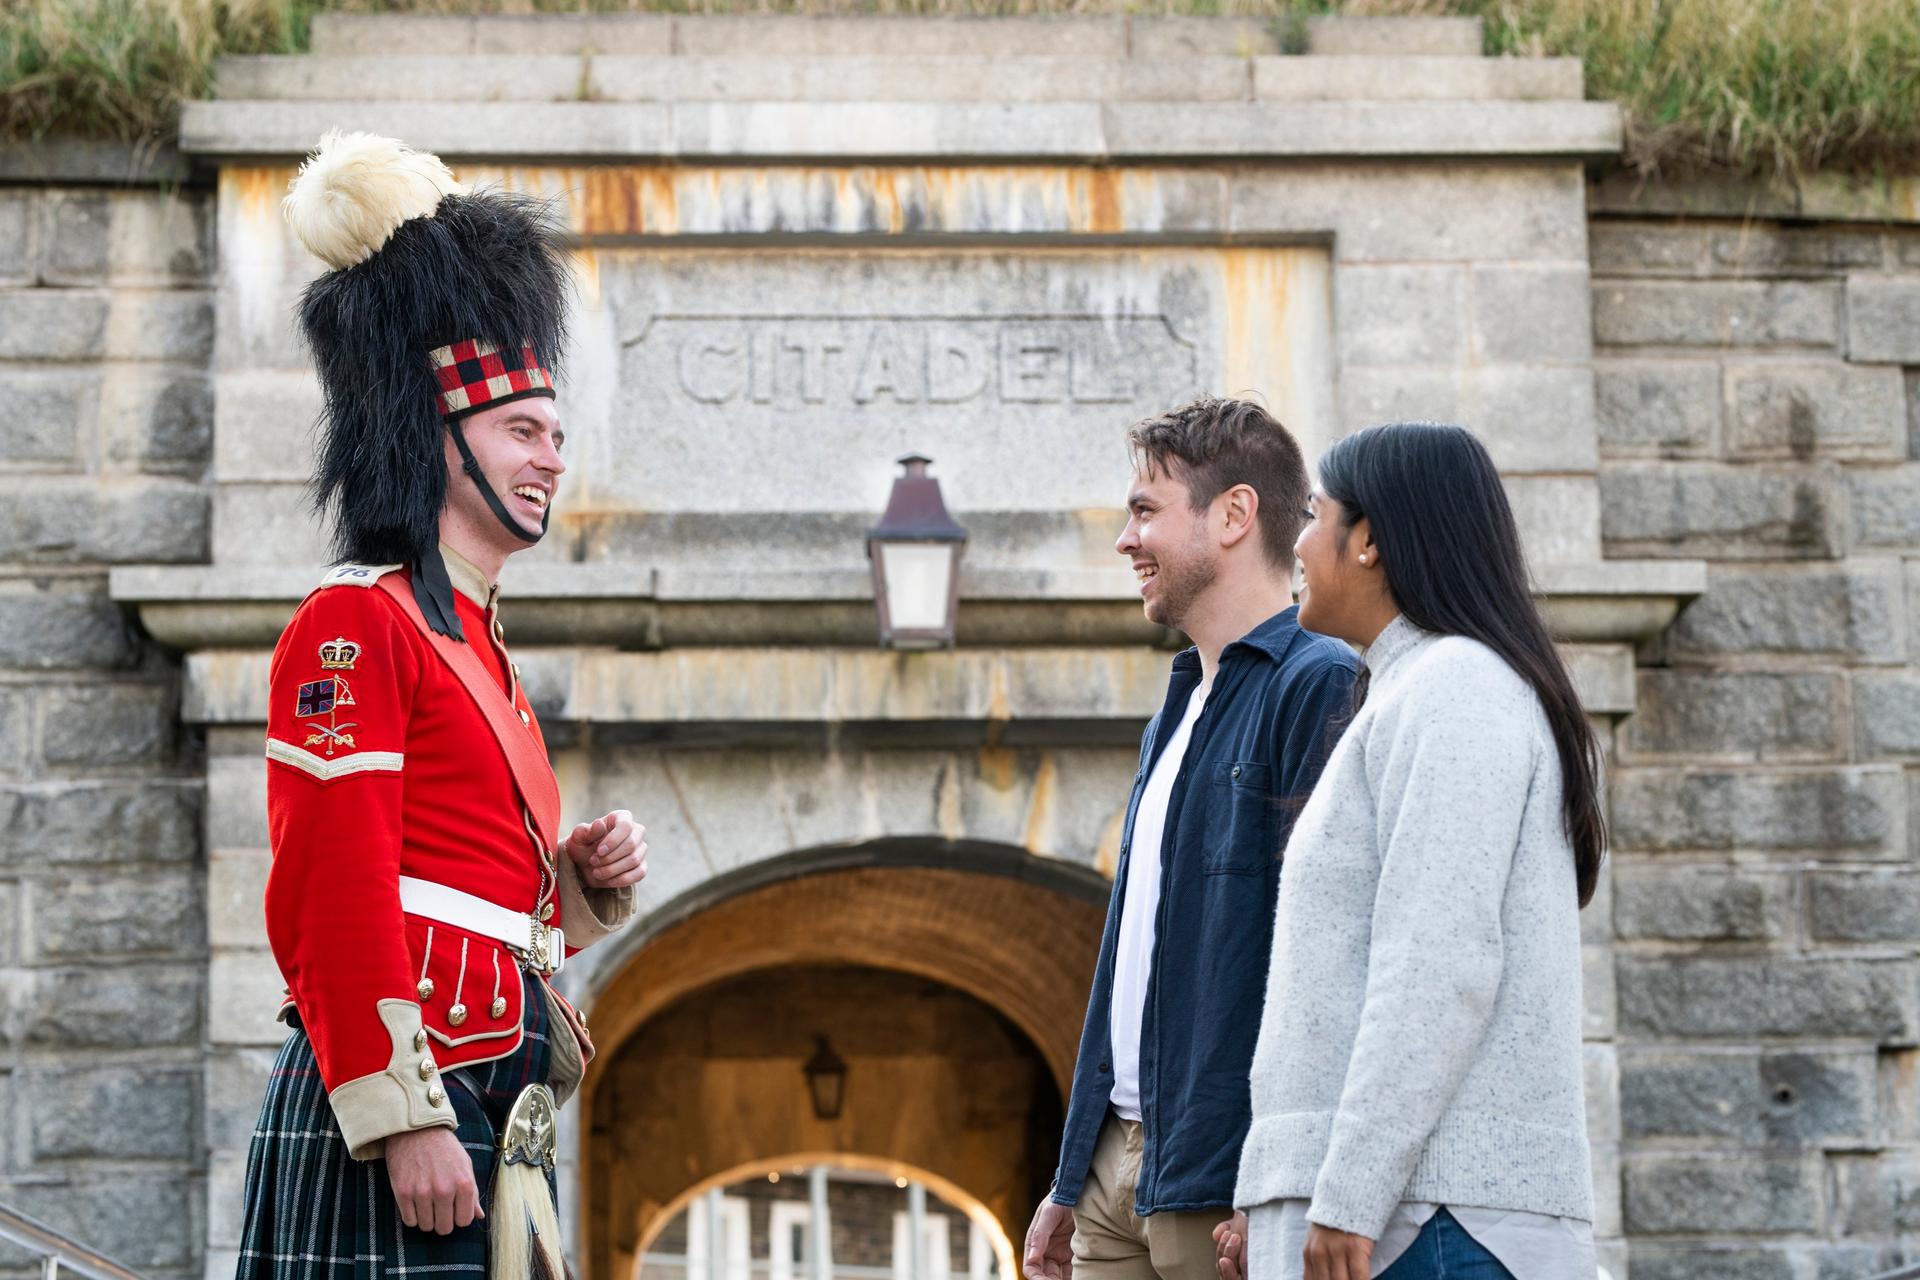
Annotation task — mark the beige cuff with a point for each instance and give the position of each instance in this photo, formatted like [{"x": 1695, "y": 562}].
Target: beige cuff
[
  {"x": 588, "y": 914},
  {"x": 406, "y": 1096}
]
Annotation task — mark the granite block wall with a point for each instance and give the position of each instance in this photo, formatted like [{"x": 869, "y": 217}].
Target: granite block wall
[
  {"x": 1758, "y": 390},
  {"x": 106, "y": 326}
]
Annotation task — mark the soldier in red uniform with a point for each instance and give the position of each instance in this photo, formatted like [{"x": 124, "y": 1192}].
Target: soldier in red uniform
[{"x": 422, "y": 894}]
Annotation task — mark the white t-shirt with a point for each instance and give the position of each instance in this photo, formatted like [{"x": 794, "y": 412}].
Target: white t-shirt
[{"x": 1133, "y": 960}]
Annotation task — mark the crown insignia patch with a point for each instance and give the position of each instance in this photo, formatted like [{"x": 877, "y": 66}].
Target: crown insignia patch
[{"x": 339, "y": 654}]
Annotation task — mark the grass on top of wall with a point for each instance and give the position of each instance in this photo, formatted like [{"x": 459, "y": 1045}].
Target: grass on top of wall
[{"x": 1768, "y": 88}]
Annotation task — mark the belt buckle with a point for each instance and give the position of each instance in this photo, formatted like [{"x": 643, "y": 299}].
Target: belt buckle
[
  {"x": 539, "y": 948},
  {"x": 543, "y": 956}
]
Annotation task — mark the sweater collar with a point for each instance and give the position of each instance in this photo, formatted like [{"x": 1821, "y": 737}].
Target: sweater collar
[{"x": 1399, "y": 638}]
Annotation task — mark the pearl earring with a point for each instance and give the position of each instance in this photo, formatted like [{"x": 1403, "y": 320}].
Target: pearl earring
[{"x": 1363, "y": 559}]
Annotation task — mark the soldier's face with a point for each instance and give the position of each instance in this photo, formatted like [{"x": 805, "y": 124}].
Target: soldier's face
[{"x": 518, "y": 448}]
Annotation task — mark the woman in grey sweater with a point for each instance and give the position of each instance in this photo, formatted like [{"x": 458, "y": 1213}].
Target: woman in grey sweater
[{"x": 1417, "y": 1093}]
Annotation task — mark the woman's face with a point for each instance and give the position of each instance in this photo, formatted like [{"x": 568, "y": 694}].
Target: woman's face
[{"x": 1334, "y": 585}]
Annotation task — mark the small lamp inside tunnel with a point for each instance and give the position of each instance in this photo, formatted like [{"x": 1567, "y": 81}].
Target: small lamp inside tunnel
[
  {"x": 826, "y": 1074},
  {"x": 915, "y": 550}
]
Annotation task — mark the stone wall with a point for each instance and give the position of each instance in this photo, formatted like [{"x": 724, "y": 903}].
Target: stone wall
[
  {"x": 1759, "y": 406},
  {"x": 106, "y": 327}
]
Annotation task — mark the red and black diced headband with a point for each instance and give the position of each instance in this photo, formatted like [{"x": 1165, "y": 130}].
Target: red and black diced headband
[{"x": 478, "y": 375}]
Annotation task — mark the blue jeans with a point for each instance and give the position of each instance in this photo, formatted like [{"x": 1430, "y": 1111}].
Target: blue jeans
[{"x": 1444, "y": 1251}]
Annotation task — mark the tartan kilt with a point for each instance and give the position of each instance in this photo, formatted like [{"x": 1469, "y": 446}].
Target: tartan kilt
[{"x": 312, "y": 1212}]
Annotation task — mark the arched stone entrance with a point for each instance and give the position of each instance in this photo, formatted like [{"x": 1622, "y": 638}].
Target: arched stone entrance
[{"x": 953, "y": 983}]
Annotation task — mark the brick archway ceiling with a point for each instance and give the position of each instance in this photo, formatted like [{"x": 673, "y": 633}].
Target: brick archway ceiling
[{"x": 1026, "y": 950}]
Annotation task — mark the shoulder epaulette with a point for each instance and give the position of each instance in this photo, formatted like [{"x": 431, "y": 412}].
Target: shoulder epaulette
[{"x": 357, "y": 575}]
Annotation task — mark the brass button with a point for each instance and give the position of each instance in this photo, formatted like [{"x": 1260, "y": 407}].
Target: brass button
[
  {"x": 436, "y": 1095},
  {"x": 499, "y": 1007},
  {"x": 525, "y": 718},
  {"x": 425, "y": 988},
  {"x": 420, "y": 1041},
  {"x": 516, "y": 669},
  {"x": 546, "y": 913},
  {"x": 580, "y": 1015},
  {"x": 456, "y": 1015},
  {"x": 426, "y": 1068}
]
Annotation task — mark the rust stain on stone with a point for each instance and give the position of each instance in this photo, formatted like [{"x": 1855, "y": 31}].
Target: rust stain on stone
[
  {"x": 1256, "y": 285},
  {"x": 609, "y": 203},
  {"x": 628, "y": 200},
  {"x": 586, "y": 268},
  {"x": 886, "y": 197},
  {"x": 944, "y": 193},
  {"x": 257, "y": 191},
  {"x": 1039, "y": 833},
  {"x": 999, "y": 766},
  {"x": 1102, "y": 202},
  {"x": 624, "y": 200},
  {"x": 999, "y": 705}
]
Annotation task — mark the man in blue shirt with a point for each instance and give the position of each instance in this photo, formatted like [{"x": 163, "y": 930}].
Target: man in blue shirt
[{"x": 1160, "y": 1101}]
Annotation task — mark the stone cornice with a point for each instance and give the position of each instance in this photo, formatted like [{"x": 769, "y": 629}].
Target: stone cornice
[
  {"x": 647, "y": 607},
  {"x": 858, "y": 132},
  {"x": 1008, "y": 697}
]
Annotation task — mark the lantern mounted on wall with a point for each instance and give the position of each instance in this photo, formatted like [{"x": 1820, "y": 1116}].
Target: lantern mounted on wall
[
  {"x": 915, "y": 550},
  {"x": 826, "y": 1074}
]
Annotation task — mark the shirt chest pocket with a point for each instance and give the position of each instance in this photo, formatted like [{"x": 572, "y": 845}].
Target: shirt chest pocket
[{"x": 1242, "y": 823}]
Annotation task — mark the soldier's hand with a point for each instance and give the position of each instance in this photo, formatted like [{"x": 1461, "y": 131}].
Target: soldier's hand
[
  {"x": 432, "y": 1179},
  {"x": 611, "y": 852},
  {"x": 1049, "y": 1251}
]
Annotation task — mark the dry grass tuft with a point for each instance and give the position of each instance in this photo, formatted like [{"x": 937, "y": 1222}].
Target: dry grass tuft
[
  {"x": 1769, "y": 88},
  {"x": 1761, "y": 87},
  {"x": 119, "y": 68}
]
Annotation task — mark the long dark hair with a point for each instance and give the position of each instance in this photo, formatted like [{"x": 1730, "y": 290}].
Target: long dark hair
[{"x": 1434, "y": 501}]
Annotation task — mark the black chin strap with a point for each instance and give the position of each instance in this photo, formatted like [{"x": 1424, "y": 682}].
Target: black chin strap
[
  {"x": 433, "y": 591},
  {"x": 471, "y": 465}
]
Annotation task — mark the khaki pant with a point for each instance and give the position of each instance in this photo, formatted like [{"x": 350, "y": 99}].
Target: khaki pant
[{"x": 1111, "y": 1242}]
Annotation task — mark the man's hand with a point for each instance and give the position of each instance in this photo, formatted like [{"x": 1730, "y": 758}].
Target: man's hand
[
  {"x": 1337, "y": 1255},
  {"x": 1230, "y": 1247},
  {"x": 432, "y": 1179},
  {"x": 611, "y": 852},
  {"x": 1050, "y": 1243}
]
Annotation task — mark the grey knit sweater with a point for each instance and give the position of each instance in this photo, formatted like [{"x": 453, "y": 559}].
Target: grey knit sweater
[{"x": 1421, "y": 1036}]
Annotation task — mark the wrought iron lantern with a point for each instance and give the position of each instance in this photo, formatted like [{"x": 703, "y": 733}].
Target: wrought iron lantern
[
  {"x": 915, "y": 550},
  {"x": 826, "y": 1074}
]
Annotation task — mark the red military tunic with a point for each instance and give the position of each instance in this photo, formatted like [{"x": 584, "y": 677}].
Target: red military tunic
[{"x": 380, "y": 765}]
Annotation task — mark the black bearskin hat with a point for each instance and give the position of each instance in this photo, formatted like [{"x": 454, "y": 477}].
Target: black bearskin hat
[{"x": 422, "y": 273}]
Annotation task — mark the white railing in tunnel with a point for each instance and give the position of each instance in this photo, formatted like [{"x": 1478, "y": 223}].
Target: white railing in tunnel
[{"x": 57, "y": 1252}]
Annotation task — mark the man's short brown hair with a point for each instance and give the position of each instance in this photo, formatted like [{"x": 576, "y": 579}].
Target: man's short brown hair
[{"x": 1213, "y": 444}]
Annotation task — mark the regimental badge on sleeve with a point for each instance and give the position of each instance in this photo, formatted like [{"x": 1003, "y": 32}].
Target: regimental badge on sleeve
[
  {"x": 328, "y": 750},
  {"x": 327, "y": 696}
]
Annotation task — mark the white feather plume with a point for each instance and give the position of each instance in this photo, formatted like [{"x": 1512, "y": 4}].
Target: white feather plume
[{"x": 354, "y": 192}]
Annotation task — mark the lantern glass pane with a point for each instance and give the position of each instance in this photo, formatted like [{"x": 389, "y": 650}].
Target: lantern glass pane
[{"x": 919, "y": 582}]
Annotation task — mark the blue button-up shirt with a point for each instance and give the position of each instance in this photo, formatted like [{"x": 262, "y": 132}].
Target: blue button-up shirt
[{"x": 1256, "y": 751}]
